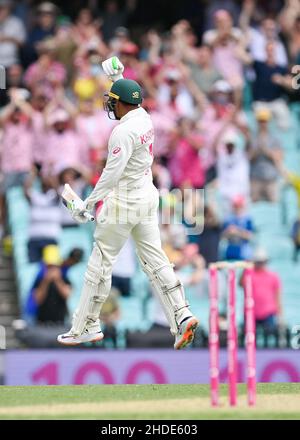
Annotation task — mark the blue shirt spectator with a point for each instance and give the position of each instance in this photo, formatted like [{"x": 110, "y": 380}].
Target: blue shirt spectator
[{"x": 237, "y": 230}]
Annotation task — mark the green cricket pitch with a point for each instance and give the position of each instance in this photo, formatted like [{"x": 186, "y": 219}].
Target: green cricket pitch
[{"x": 174, "y": 402}]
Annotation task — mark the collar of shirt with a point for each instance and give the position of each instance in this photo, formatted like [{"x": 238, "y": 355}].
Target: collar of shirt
[{"x": 134, "y": 113}]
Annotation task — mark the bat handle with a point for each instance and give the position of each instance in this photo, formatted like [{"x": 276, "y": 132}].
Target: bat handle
[{"x": 89, "y": 216}]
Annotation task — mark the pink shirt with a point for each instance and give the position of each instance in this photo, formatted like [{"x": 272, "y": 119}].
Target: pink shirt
[
  {"x": 130, "y": 73},
  {"x": 39, "y": 133},
  {"x": 266, "y": 288},
  {"x": 212, "y": 122},
  {"x": 35, "y": 74},
  {"x": 96, "y": 129},
  {"x": 185, "y": 165},
  {"x": 16, "y": 148},
  {"x": 228, "y": 65},
  {"x": 63, "y": 150},
  {"x": 163, "y": 126}
]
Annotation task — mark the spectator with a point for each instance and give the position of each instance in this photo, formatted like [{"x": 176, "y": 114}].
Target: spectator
[
  {"x": 46, "y": 71},
  {"x": 266, "y": 288},
  {"x": 120, "y": 39},
  {"x": 15, "y": 145},
  {"x": 232, "y": 170},
  {"x": 113, "y": 18},
  {"x": 65, "y": 47},
  {"x": 268, "y": 88},
  {"x": 219, "y": 115},
  {"x": 263, "y": 151},
  {"x": 44, "y": 225},
  {"x": 49, "y": 252},
  {"x": 290, "y": 22},
  {"x": 86, "y": 29},
  {"x": 185, "y": 163},
  {"x": 44, "y": 27},
  {"x": 12, "y": 34},
  {"x": 191, "y": 267},
  {"x": 259, "y": 38},
  {"x": 238, "y": 231},
  {"x": 229, "y": 51},
  {"x": 16, "y": 142},
  {"x": 52, "y": 290},
  {"x": 66, "y": 147},
  {"x": 39, "y": 101},
  {"x": 173, "y": 96},
  {"x": 213, "y": 6},
  {"x": 95, "y": 128},
  {"x": 208, "y": 241},
  {"x": 129, "y": 57},
  {"x": 203, "y": 71}
]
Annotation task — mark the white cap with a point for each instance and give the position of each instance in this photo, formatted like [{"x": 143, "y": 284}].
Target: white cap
[
  {"x": 222, "y": 86},
  {"x": 229, "y": 137},
  {"x": 260, "y": 255}
]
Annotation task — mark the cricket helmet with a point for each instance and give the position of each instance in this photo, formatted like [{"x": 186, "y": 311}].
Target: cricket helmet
[{"x": 124, "y": 90}]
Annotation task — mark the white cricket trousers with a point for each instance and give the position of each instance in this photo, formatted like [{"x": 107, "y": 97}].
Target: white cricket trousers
[{"x": 135, "y": 214}]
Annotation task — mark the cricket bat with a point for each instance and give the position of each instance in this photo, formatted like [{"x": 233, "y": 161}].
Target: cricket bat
[{"x": 72, "y": 201}]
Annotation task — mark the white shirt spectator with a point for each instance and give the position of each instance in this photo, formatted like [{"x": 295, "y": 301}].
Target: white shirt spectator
[
  {"x": 45, "y": 215},
  {"x": 233, "y": 173},
  {"x": 184, "y": 105},
  {"x": 12, "y": 27},
  {"x": 257, "y": 46}
]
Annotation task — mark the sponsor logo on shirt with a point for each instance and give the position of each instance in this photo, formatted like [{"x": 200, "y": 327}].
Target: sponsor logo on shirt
[{"x": 116, "y": 151}]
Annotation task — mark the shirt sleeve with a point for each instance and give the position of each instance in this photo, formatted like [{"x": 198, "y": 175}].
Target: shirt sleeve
[{"x": 119, "y": 151}]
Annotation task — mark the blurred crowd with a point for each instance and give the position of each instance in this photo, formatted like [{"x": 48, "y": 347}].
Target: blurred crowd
[{"x": 198, "y": 86}]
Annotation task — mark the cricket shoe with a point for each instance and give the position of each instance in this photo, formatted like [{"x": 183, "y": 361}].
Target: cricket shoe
[
  {"x": 186, "y": 333},
  {"x": 71, "y": 339}
]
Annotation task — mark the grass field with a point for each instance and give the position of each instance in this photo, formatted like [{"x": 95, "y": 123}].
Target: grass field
[{"x": 274, "y": 401}]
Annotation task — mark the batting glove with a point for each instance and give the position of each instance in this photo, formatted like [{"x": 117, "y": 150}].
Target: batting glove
[
  {"x": 79, "y": 211},
  {"x": 79, "y": 217},
  {"x": 113, "y": 68}
]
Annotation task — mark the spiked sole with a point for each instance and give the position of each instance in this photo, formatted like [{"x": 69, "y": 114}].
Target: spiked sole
[
  {"x": 188, "y": 335},
  {"x": 94, "y": 338}
]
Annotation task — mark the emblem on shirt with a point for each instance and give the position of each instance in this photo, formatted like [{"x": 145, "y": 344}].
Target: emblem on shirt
[{"x": 116, "y": 151}]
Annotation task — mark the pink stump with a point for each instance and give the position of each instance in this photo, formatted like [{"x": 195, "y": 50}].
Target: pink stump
[
  {"x": 232, "y": 339},
  {"x": 214, "y": 337},
  {"x": 250, "y": 337}
]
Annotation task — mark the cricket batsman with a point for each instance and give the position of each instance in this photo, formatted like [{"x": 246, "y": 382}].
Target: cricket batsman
[{"x": 130, "y": 208}]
